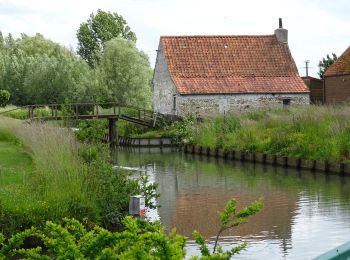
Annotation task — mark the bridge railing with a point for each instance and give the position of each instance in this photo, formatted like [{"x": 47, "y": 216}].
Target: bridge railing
[{"x": 88, "y": 111}]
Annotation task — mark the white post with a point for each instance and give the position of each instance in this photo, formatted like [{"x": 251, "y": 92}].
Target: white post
[{"x": 137, "y": 207}]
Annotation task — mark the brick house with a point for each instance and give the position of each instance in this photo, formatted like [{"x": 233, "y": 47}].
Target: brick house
[
  {"x": 208, "y": 75},
  {"x": 316, "y": 89},
  {"x": 337, "y": 80}
]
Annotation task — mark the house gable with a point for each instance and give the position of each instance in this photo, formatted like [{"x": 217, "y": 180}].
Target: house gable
[{"x": 164, "y": 88}]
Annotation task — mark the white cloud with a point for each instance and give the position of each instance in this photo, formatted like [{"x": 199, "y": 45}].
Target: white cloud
[{"x": 315, "y": 27}]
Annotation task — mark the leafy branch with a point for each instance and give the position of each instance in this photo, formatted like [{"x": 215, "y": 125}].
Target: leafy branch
[
  {"x": 229, "y": 218},
  {"x": 149, "y": 190}
]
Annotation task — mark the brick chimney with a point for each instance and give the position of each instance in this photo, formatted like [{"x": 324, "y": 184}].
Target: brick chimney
[{"x": 281, "y": 34}]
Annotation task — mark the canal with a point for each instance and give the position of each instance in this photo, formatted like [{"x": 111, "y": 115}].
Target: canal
[{"x": 305, "y": 213}]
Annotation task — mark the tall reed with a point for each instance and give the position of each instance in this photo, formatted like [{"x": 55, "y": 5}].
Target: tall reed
[
  {"x": 311, "y": 132},
  {"x": 55, "y": 187}
]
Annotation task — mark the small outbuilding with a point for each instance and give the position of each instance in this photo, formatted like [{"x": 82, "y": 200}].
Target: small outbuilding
[
  {"x": 207, "y": 75},
  {"x": 315, "y": 86},
  {"x": 337, "y": 80}
]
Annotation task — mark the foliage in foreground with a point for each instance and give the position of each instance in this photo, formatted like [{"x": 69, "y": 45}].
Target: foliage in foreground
[
  {"x": 139, "y": 240},
  {"x": 229, "y": 218}
]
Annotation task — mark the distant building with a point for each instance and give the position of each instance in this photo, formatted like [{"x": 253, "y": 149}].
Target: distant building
[
  {"x": 337, "y": 80},
  {"x": 315, "y": 86},
  {"x": 215, "y": 74}
]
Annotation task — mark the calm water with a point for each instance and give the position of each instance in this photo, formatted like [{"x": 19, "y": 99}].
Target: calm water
[{"x": 305, "y": 213}]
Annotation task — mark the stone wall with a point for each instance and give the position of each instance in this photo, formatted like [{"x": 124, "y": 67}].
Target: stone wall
[
  {"x": 209, "y": 105},
  {"x": 337, "y": 89}
]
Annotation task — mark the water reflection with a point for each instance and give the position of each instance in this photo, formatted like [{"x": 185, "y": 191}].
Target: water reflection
[{"x": 305, "y": 213}]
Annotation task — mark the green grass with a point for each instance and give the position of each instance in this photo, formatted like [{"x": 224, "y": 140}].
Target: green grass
[
  {"x": 46, "y": 184},
  {"x": 14, "y": 164},
  {"x": 14, "y": 157},
  {"x": 151, "y": 134},
  {"x": 22, "y": 113},
  {"x": 44, "y": 177},
  {"x": 312, "y": 132}
]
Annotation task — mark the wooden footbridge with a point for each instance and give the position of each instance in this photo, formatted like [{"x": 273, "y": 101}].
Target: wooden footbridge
[{"x": 83, "y": 111}]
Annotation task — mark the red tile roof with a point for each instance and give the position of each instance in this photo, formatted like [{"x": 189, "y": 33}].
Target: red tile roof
[
  {"x": 231, "y": 64},
  {"x": 341, "y": 66}
]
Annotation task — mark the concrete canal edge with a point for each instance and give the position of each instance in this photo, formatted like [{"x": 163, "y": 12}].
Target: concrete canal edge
[
  {"x": 147, "y": 142},
  {"x": 283, "y": 161},
  {"x": 263, "y": 158}
]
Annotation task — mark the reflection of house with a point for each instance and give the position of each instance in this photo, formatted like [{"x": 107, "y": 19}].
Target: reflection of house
[
  {"x": 190, "y": 201},
  {"x": 337, "y": 80},
  {"x": 214, "y": 74},
  {"x": 195, "y": 213},
  {"x": 316, "y": 89}
]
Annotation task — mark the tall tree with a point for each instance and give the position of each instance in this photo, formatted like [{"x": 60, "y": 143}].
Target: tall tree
[
  {"x": 37, "y": 70},
  {"x": 38, "y": 45},
  {"x": 127, "y": 74},
  {"x": 2, "y": 43},
  {"x": 325, "y": 63},
  {"x": 100, "y": 28},
  {"x": 52, "y": 80}
]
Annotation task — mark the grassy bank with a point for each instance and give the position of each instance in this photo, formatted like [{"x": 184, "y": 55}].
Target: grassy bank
[
  {"x": 15, "y": 164},
  {"x": 22, "y": 113},
  {"x": 54, "y": 181},
  {"x": 48, "y": 189},
  {"x": 312, "y": 132}
]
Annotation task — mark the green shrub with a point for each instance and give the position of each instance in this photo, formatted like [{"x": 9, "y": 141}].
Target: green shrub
[
  {"x": 130, "y": 129},
  {"x": 183, "y": 131},
  {"x": 111, "y": 191},
  {"x": 92, "y": 131},
  {"x": 138, "y": 240},
  {"x": 4, "y": 97},
  {"x": 71, "y": 240}
]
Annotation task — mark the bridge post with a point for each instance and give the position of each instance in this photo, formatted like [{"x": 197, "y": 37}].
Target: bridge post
[{"x": 113, "y": 131}]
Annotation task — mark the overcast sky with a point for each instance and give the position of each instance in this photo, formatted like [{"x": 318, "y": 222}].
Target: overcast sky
[{"x": 316, "y": 27}]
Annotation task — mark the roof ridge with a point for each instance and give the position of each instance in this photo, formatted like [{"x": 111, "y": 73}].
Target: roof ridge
[{"x": 216, "y": 36}]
